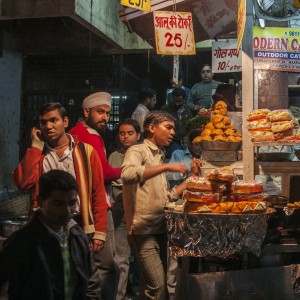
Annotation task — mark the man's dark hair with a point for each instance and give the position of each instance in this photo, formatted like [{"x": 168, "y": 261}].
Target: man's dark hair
[
  {"x": 193, "y": 134},
  {"x": 178, "y": 92},
  {"x": 146, "y": 93},
  {"x": 131, "y": 122},
  {"x": 55, "y": 180},
  {"x": 204, "y": 65},
  {"x": 155, "y": 117},
  {"x": 46, "y": 107}
]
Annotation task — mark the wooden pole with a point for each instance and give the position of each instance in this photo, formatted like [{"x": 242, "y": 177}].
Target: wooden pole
[{"x": 248, "y": 91}]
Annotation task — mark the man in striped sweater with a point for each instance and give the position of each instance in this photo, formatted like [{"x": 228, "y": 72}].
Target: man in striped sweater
[{"x": 52, "y": 148}]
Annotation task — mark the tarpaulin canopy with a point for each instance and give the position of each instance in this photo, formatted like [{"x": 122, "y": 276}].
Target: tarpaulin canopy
[{"x": 212, "y": 19}]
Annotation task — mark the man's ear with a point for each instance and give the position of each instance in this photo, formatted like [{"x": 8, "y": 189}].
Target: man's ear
[
  {"x": 66, "y": 122},
  {"x": 151, "y": 128},
  {"x": 86, "y": 112},
  {"x": 138, "y": 136}
]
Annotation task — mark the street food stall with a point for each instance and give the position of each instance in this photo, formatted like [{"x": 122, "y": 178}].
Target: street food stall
[{"x": 238, "y": 232}]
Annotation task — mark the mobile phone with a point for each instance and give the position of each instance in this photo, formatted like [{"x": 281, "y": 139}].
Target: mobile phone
[{"x": 40, "y": 135}]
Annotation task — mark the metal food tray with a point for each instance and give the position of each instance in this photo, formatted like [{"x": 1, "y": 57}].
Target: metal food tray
[{"x": 220, "y": 146}]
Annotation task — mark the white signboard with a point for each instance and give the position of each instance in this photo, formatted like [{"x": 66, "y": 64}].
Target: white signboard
[
  {"x": 212, "y": 15},
  {"x": 225, "y": 57},
  {"x": 174, "y": 33}
]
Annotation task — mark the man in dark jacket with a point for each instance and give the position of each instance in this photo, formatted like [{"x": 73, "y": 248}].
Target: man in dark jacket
[
  {"x": 49, "y": 258},
  {"x": 177, "y": 110}
]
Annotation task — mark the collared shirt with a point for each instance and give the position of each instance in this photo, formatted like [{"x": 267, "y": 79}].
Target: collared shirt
[
  {"x": 144, "y": 201},
  {"x": 184, "y": 157},
  {"x": 65, "y": 163},
  {"x": 139, "y": 115},
  {"x": 62, "y": 236}
]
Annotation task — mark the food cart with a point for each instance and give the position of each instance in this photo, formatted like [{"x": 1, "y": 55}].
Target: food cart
[
  {"x": 260, "y": 273},
  {"x": 238, "y": 256}
]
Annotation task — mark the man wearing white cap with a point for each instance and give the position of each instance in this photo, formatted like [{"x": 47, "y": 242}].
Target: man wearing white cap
[{"x": 96, "y": 111}]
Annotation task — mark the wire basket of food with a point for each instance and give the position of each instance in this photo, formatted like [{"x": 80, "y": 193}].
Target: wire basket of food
[
  {"x": 220, "y": 146},
  {"x": 19, "y": 205}
]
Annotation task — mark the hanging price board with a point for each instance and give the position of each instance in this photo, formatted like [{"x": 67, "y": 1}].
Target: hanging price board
[
  {"x": 144, "y": 5},
  {"x": 225, "y": 57},
  {"x": 174, "y": 33}
]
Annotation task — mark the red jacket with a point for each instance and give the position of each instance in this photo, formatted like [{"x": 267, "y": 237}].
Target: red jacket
[
  {"x": 90, "y": 136},
  {"x": 89, "y": 177}
]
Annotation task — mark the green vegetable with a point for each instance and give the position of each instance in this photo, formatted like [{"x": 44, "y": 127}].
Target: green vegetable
[{"x": 197, "y": 122}]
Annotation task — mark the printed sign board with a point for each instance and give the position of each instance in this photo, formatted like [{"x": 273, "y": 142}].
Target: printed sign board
[
  {"x": 225, "y": 57},
  {"x": 276, "y": 48},
  {"x": 174, "y": 33}
]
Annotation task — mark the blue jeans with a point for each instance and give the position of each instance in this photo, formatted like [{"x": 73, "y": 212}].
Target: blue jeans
[
  {"x": 105, "y": 262},
  {"x": 151, "y": 251},
  {"x": 122, "y": 249}
]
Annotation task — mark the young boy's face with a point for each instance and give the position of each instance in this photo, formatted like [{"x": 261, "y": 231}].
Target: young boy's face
[
  {"x": 163, "y": 133},
  {"x": 59, "y": 208},
  {"x": 53, "y": 125},
  {"x": 195, "y": 148},
  {"x": 128, "y": 136}
]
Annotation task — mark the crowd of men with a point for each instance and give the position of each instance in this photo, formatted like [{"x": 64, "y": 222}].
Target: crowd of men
[{"x": 90, "y": 212}]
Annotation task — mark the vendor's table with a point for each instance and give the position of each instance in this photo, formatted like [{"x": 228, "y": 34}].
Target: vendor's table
[
  {"x": 219, "y": 235},
  {"x": 205, "y": 235}
]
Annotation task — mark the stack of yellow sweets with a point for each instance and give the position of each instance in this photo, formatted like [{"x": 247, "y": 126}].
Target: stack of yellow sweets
[{"x": 219, "y": 128}]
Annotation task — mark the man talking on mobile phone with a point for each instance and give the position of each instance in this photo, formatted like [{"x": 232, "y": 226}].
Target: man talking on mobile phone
[{"x": 52, "y": 148}]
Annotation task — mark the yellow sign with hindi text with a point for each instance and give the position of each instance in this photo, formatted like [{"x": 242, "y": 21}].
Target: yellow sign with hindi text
[{"x": 144, "y": 5}]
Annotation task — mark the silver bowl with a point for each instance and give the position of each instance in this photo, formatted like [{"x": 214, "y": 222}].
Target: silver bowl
[
  {"x": 275, "y": 156},
  {"x": 220, "y": 146}
]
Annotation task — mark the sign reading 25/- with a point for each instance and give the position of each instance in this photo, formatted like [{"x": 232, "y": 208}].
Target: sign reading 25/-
[
  {"x": 174, "y": 33},
  {"x": 144, "y": 5}
]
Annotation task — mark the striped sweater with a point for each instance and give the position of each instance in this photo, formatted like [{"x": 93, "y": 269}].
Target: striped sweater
[{"x": 89, "y": 177}]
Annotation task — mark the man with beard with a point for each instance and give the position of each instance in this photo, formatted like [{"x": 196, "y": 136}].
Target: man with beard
[
  {"x": 145, "y": 194},
  {"x": 96, "y": 111},
  {"x": 49, "y": 257},
  {"x": 52, "y": 148}
]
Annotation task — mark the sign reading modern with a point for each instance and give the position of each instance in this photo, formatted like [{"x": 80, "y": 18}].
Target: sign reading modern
[{"x": 276, "y": 48}]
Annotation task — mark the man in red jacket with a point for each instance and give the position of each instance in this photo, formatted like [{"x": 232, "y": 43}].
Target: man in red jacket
[
  {"x": 96, "y": 110},
  {"x": 52, "y": 148}
]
